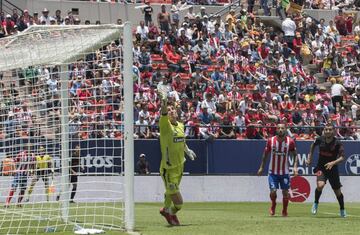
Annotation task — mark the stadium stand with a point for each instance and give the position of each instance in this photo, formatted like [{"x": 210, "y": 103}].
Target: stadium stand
[{"x": 231, "y": 77}]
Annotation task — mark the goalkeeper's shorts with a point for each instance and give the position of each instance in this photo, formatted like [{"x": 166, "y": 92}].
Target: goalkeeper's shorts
[{"x": 172, "y": 178}]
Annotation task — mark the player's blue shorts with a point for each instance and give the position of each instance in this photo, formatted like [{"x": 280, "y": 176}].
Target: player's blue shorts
[
  {"x": 20, "y": 180},
  {"x": 279, "y": 180}
]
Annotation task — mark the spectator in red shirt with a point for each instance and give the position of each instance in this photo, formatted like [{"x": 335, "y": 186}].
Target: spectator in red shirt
[
  {"x": 349, "y": 24},
  {"x": 286, "y": 116},
  {"x": 251, "y": 68},
  {"x": 173, "y": 58},
  {"x": 297, "y": 44},
  {"x": 340, "y": 22},
  {"x": 167, "y": 48},
  {"x": 83, "y": 93},
  {"x": 256, "y": 96},
  {"x": 263, "y": 50},
  {"x": 8, "y": 25}
]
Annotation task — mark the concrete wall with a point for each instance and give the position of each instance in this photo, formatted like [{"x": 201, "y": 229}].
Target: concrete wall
[
  {"x": 110, "y": 12},
  {"x": 193, "y": 188},
  {"x": 93, "y": 11}
]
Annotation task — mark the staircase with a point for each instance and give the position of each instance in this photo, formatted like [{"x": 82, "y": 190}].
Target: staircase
[
  {"x": 272, "y": 20},
  {"x": 7, "y": 7}
]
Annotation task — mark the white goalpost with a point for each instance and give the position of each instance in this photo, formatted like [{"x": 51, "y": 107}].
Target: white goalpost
[{"x": 66, "y": 130}]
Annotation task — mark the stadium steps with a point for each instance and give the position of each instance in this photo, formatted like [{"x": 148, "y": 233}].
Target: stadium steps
[
  {"x": 320, "y": 77},
  {"x": 312, "y": 67}
]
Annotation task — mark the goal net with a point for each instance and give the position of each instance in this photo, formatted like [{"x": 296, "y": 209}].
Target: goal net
[{"x": 66, "y": 147}]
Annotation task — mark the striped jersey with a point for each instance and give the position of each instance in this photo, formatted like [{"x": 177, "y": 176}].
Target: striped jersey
[
  {"x": 279, "y": 154},
  {"x": 24, "y": 162}
]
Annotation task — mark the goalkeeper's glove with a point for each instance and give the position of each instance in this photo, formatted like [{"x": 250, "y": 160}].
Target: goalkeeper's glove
[{"x": 191, "y": 154}]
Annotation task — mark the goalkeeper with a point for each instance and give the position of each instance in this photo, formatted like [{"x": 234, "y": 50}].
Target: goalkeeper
[
  {"x": 173, "y": 146},
  {"x": 43, "y": 169}
]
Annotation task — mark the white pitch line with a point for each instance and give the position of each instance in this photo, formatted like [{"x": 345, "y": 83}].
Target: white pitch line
[
  {"x": 329, "y": 213},
  {"x": 133, "y": 233}
]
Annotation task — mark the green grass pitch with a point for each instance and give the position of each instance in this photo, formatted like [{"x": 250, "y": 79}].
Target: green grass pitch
[{"x": 221, "y": 218}]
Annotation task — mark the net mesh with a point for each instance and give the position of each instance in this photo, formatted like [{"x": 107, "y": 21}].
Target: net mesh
[{"x": 44, "y": 70}]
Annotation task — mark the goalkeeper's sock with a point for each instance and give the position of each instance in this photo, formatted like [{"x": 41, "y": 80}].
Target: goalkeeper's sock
[
  {"x": 11, "y": 194},
  {"x": 175, "y": 209},
  {"x": 167, "y": 202}
]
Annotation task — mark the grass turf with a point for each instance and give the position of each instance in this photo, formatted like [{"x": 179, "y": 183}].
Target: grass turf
[{"x": 219, "y": 218}]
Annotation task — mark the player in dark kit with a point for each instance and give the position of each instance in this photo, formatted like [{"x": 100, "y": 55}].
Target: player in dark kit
[
  {"x": 331, "y": 153},
  {"x": 74, "y": 171}
]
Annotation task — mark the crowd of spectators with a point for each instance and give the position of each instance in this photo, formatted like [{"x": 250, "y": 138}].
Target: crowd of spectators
[
  {"x": 230, "y": 77},
  {"x": 308, "y": 4},
  {"x": 11, "y": 24},
  {"x": 236, "y": 78}
]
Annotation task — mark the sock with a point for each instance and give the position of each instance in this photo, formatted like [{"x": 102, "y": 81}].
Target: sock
[
  {"x": 73, "y": 192},
  {"x": 317, "y": 195},
  {"x": 167, "y": 202},
  {"x": 285, "y": 203},
  {"x": 72, "y": 195},
  {"x": 175, "y": 208},
  {"x": 273, "y": 200},
  {"x": 341, "y": 201},
  {"x": 11, "y": 194}
]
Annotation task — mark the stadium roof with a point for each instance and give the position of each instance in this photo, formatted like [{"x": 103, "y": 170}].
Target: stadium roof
[{"x": 53, "y": 45}]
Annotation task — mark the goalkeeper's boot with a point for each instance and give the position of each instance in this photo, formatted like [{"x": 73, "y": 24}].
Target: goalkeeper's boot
[
  {"x": 167, "y": 215},
  {"x": 343, "y": 213},
  {"x": 175, "y": 220},
  {"x": 314, "y": 208}
]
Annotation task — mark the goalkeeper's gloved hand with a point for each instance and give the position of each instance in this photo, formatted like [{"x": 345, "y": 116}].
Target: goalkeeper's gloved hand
[{"x": 191, "y": 154}]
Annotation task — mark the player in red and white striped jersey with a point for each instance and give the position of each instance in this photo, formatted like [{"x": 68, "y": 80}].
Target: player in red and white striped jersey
[
  {"x": 25, "y": 163},
  {"x": 279, "y": 148}
]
